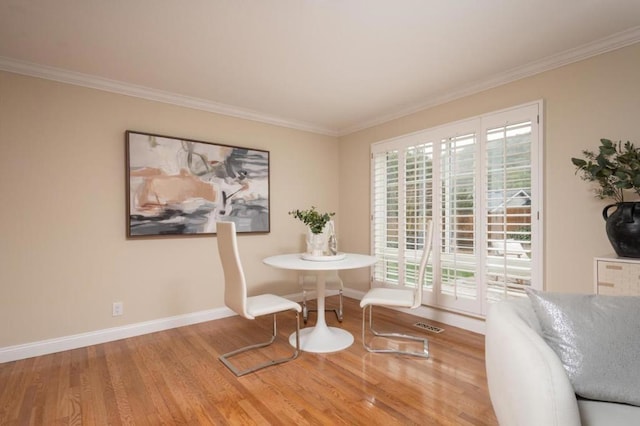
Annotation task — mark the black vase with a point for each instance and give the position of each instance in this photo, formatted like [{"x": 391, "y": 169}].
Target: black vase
[{"x": 623, "y": 228}]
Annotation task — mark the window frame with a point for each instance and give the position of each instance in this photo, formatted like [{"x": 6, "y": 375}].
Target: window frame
[{"x": 480, "y": 126}]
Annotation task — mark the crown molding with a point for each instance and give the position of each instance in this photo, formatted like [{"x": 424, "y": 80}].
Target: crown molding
[
  {"x": 114, "y": 86},
  {"x": 607, "y": 44}
]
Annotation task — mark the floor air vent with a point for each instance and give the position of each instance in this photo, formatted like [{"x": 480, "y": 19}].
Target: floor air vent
[{"x": 429, "y": 327}]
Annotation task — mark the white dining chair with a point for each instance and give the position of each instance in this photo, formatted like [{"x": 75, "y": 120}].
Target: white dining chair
[
  {"x": 398, "y": 298},
  {"x": 307, "y": 281},
  {"x": 250, "y": 307}
]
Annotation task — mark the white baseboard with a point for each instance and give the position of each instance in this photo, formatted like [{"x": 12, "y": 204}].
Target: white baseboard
[
  {"x": 44, "y": 347},
  {"x": 49, "y": 346}
]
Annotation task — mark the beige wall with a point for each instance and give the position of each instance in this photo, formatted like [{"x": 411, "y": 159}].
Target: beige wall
[
  {"x": 64, "y": 257},
  {"x": 63, "y": 254},
  {"x": 585, "y": 101}
]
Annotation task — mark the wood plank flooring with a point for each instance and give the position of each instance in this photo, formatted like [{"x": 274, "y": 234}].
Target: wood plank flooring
[{"x": 174, "y": 377}]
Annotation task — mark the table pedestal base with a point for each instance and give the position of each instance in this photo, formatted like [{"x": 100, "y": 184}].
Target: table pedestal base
[{"x": 322, "y": 339}]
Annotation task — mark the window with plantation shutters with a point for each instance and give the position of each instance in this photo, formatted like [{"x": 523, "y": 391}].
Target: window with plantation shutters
[
  {"x": 479, "y": 180},
  {"x": 508, "y": 209},
  {"x": 418, "y": 196},
  {"x": 458, "y": 178},
  {"x": 400, "y": 209},
  {"x": 385, "y": 216}
]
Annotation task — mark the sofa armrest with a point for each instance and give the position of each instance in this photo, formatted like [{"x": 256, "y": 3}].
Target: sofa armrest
[{"x": 527, "y": 383}]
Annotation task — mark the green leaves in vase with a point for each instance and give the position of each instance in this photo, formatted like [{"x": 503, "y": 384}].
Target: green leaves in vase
[
  {"x": 615, "y": 168},
  {"x": 315, "y": 220}
]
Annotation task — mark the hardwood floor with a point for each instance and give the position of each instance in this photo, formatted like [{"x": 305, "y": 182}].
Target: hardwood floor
[{"x": 174, "y": 377}]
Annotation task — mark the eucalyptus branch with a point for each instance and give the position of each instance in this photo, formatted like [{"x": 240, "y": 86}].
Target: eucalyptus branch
[
  {"x": 616, "y": 169},
  {"x": 315, "y": 220}
]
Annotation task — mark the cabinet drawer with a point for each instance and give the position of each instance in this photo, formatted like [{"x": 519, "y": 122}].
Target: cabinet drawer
[{"x": 618, "y": 278}]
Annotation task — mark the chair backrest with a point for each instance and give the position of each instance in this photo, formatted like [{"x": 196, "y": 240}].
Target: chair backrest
[
  {"x": 235, "y": 286},
  {"x": 426, "y": 251}
]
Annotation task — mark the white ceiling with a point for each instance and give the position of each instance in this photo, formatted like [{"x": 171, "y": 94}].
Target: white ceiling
[{"x": 329, "y": 66}]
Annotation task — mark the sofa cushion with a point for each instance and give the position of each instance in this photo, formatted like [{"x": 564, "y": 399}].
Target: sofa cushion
[
  {"x": 597, "y": 339},
  {"x": 607, "y": 413}
]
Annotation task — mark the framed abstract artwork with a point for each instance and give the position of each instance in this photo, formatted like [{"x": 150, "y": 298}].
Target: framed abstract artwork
[{"x": 180, "y": 187}]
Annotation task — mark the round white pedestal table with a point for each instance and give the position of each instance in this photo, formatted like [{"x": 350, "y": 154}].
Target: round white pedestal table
[{"x": 321, "y": 338}]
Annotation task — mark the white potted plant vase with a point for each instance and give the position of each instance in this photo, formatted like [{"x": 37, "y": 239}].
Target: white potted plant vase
[{"x": 318, "y": 244}]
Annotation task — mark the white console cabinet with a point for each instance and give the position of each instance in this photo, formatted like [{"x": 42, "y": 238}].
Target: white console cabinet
[{"x": 617, "y": 276}]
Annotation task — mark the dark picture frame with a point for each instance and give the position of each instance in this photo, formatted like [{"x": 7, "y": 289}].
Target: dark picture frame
[{"x": 182, "y": 187}]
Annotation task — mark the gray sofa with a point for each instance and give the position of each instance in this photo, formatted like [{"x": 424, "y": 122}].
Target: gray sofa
[{"x": 528, "y": 384}]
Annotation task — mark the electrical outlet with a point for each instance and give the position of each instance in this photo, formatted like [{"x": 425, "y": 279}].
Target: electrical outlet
[{"x": 118, "y": 309}]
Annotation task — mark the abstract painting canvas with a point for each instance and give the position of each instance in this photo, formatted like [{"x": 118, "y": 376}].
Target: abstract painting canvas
[{"x": 179, "y": 186}]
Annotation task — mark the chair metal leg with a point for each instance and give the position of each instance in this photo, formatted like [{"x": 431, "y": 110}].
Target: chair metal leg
[
  {"x": 305, "y": 310},
  {"x": 338, "y": 311},
  {"x": 425, "y": 343},
  {"x": 225, "y": 358}
]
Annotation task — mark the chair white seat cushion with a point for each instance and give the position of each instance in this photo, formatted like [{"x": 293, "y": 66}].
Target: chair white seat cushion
[
  {"x": 266, "y": 304},
  {"x": 388, "y": 297}
]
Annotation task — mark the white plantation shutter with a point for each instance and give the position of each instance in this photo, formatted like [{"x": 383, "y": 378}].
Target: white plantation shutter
[
  {"x": 480, "y": 181},
  {"x": 386, "y": 210},
  {"x": 508, "y": 158},
  {"x": 402, "y": 200},
  {"x": 418, "y": 205},
  {"x": 458, "y": 182}
]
